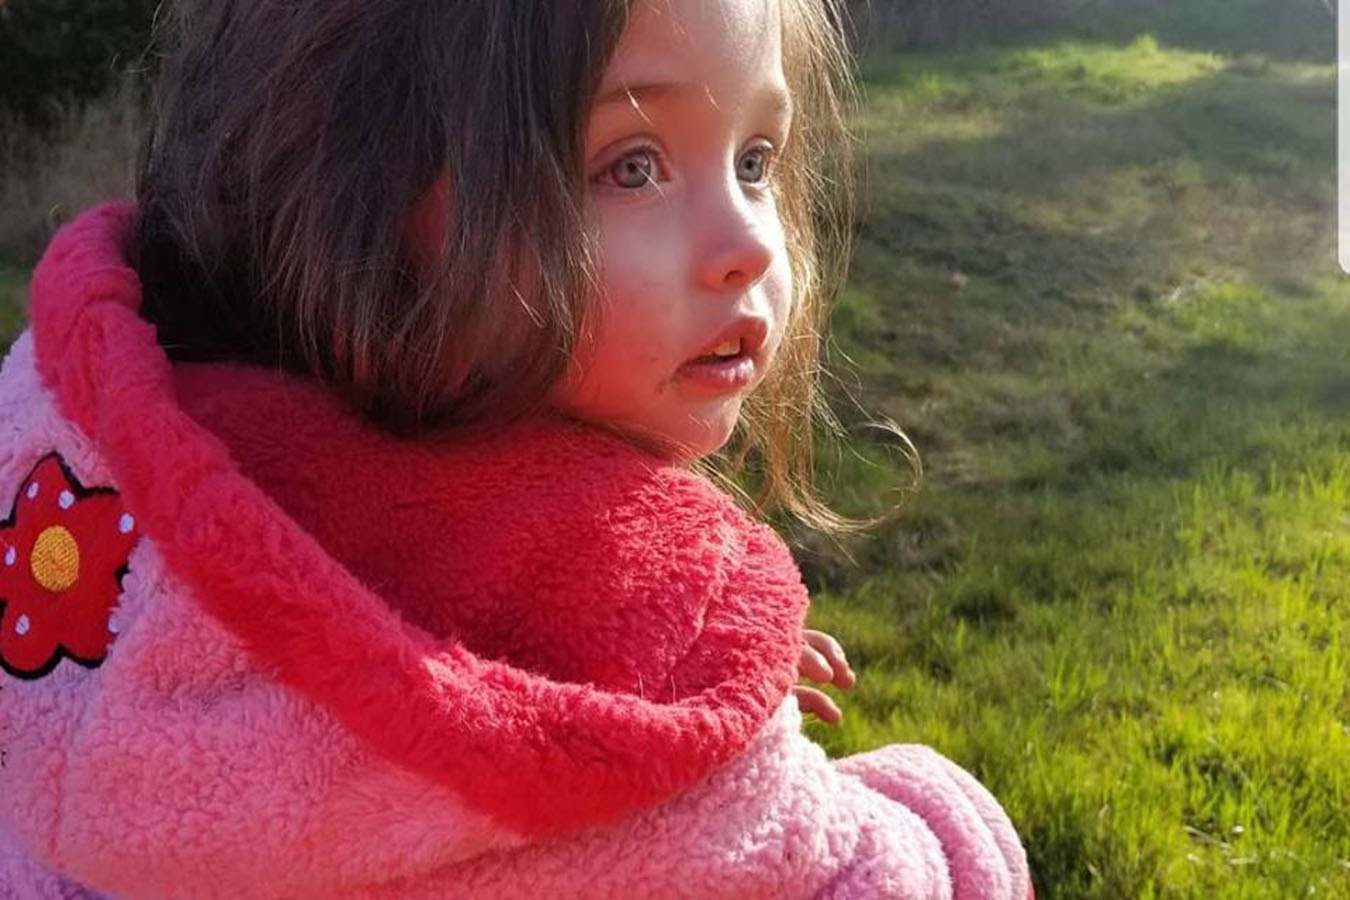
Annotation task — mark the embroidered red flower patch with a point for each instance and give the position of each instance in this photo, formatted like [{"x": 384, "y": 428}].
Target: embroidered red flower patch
[{"x": 63, "y": 552}]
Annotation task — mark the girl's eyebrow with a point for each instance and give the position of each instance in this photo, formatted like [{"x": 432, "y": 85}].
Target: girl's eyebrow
[
  {"x": 625, "y": 93},
  {"x": 776, "y": 96}
]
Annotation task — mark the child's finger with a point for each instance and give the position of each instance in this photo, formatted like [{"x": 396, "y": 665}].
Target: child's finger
[
  {"x": 815, "y": 666},
  {"x": 810, "y": 700},
  {"x": 844, "y": 677},
  {"x": 841, "y": 674}
]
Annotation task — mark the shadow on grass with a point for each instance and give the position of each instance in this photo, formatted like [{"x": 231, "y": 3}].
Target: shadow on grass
[
  {"x": 1076, "y": 199},
  {"x": 1291, "y": 30},
  {"x": 1295, "y": 30},
  {"x": 1217, "y": 401},
  {"x": 1100, "y": 338}
]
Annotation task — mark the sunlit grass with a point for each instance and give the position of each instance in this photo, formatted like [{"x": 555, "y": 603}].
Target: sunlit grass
[{"x": 1096, "y": 287}]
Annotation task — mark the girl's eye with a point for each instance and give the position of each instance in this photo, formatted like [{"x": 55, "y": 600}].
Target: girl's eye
[
  {"x": 634, "y": 170},
  {"x": 753, "y": 166}
]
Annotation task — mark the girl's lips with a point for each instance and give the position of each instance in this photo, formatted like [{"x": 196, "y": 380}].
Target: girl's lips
[
  {"x": 750, "y": 331},
  {"x": 722, "y": 374},
  {"x": 731, "y": 374}
]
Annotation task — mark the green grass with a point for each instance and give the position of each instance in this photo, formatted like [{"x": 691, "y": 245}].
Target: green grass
[
  {"x": 13, "y": 302},
  {"x": 1282, "y": 29},
  {"x": 1120, "y": 596}
]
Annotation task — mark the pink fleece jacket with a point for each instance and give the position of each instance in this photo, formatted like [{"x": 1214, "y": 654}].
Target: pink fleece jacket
[{"x": 256, "y": 649}]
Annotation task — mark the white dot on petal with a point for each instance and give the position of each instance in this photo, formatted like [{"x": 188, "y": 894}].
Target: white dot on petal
[
  {"x": 126, "y": 523},
  {"x": 32, "y": 490},
  {"x": 112, "y": 627},
  {"x": 21, "y": 626},
  {"x": 10, "y": 555},
  {"x": 67, "y": 499}
]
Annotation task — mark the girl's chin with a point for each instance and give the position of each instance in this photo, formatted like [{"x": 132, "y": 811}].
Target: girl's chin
[
  {"x": 684, "y": 445},
  {"x": 681, "y": 437},
  {"x": 698, "y": 443}
]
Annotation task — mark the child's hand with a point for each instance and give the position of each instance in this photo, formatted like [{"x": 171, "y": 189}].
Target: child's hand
[{"x": 823, "y": 662}]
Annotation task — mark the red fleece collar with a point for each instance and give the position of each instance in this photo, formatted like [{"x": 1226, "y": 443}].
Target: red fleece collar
[{"x": 714, "y": 602}]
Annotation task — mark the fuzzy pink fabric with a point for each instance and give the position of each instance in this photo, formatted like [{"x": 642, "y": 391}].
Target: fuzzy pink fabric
[{"x": 530, "y": 663}]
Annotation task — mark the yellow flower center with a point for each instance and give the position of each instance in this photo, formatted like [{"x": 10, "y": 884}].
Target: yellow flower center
[{"x": 56, "y": 559}]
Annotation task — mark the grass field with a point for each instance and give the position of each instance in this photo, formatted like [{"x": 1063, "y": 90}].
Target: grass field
[
  {"x": 13, "y": 294},
  {"x": 1096, "y": 286}
]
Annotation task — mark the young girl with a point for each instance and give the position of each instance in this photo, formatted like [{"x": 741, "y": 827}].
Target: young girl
[{"x": 396, "y": 581}]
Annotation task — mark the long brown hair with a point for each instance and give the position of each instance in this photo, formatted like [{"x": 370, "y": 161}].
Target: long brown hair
[{"x": 290, "y": 142}]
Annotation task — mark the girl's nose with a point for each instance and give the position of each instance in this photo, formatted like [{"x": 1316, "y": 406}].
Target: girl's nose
[{"x": 737, "y": 248}]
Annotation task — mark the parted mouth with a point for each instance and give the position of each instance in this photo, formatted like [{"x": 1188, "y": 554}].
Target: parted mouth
[{"x": 743, "y": 338}]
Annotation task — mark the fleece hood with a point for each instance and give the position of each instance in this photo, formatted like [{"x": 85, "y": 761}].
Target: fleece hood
[{"x": 508, "y": 546}]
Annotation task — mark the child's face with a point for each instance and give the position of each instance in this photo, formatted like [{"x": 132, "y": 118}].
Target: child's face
[{"x": 696, "y": 287}]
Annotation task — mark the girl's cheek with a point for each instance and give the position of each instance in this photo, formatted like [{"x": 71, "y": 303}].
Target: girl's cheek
[
  {"x": 778, "y": 289},
  {"x": 639, "y": 245}
]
